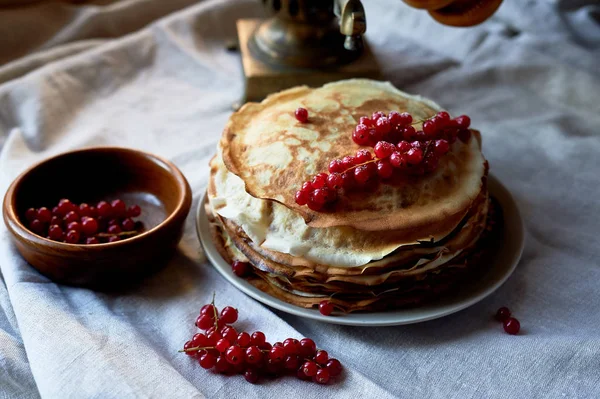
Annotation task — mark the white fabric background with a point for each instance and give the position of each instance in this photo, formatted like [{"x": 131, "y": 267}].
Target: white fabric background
[{"x": 529, "y": 79}]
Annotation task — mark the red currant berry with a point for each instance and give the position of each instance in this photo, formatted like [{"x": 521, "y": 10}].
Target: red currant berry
[
  {"x": 348, "y": 162},
  {"x": 363, "y": 156},
  {"x": 464, "y": 135},
  {"x": 258, "y": 338},
  {"x": 331, "y": 194},
  {"x": 200, "y": 340},
  {"x": 291, "y": 362},
  {"x": 208, "y": 310},
  {"x": 348, "y": 180},
  {"x": 322, "y": 376},
  {"x": 385, "y": 169},
  {"x": 71, "y": 217},
  {"x": 31, "y": 214},
  {"x": 229, "y": 315},
  {"x": 222, "y": 345},
  {"x": 189, "y": 345},
  {"x": 336, "y": 166},
  {"x": 44, "y": 215},
  {"x": 365, "y": 120},
  {"x": 243, "y": 339},
  {"x": 253, "y": 355},
  {"x": 361, "y": 134},
  {"x": 405, "y": 118},
  {"x": 56, "y": 212},
  {"x": 74, "y": 226},
  {"x": 104, "y": 209},
  {"x": 398, "y": 160},
  {"x": 119, "y": 209},
  {"x": 229, "y": 333},
  {"x": 222, "y": 365},
  {"x": 301, "y": 376},
  {"x": 374, "y": 136},
  {"x": 319, "y": 180},
  {"x": 128, "y": 224},
  {"x": 313, "y": 206},
  {"x": 376, "y": 116},
  {"x": 89, "y": 226},
  {"x": 320, "y": 196},
  {"x": 383, "y": 149},
  {"x": 335, "y": 181},
  {"x": 56, "y": 220},
  {"x": 91, "y": 241},
  {"x": 72, "y": 237},
  {"x": 414, "y": 156},
  {"x": 431, "y": 163},
  {"x": 325, "y": 307},
  {"x": 394, "y": 118},
  {"x": 409, "y": 132},
  {"x": 362, "y": 174},
  {"x": 241, "y": 269},
  {"x": 502, "y": 314},
  {"x": 301, "y": 197},
  {"x": 277, "y": 353},
  {"x": 334, "y": 367},
  {"x": 251, "y": 376},
  {"x": 404, "y": 146},
  {"x": 134, "y": 211},
  {"x": 383, "y": 126},
  {"x": 273, "y": 367},
  {"x": 463, "y": 121},
  {"x": 441, "y": 147},
  {"x": 278, "y": 344},
  {"x": 114, "y": 222},
  {"x": 512, "y": 326},
  {"x": 65, "y": 206},
  {"x": 207, "y": 361},
  {"x": 55, "y": 233},
  {"x": 430, "y": 128},
  {"x": 301, "y": 115},
  {"x": 291, "y": 346},
  {"x": 205, "y": 322},
  {"x": 85, "y": 210},
  {"x": 114, "y": 238},
  {"x": 307, "y": 347},
  {"x": 213, "y": 336},
  {"x": 309, "y": 368},
  {"x": 114, "y": 229},
  {"x": 322, "y": 357},
  {"x": 443, "y": 115}
]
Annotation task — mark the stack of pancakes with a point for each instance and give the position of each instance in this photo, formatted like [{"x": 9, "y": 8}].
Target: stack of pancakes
[{"x": 393, "y": 245}]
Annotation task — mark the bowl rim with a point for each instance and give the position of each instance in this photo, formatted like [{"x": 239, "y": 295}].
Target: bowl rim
[{"x": 17, "y": 228}]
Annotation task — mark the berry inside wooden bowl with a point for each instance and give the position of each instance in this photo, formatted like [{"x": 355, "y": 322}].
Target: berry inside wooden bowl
[{"x": 89, "y": 176}]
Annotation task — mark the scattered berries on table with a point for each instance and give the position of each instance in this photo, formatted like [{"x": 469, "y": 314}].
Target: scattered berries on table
[{"x": 221, "y": 348}]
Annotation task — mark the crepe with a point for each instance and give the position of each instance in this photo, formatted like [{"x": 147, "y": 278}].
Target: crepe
[{"x": 401, "y": 243}]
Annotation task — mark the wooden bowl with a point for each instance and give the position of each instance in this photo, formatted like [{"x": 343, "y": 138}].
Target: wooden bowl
[{"x": 91, "y": 175}]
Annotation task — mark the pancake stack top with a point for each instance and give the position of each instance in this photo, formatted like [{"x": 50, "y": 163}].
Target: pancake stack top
[{"x": 371, "y": 249}]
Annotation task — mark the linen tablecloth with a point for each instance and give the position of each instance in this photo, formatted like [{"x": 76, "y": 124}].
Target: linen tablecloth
[{"x": 530, "y": 80}]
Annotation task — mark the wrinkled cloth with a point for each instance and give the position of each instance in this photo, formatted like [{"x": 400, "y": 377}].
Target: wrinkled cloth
[{"x": 529, "y": 79}]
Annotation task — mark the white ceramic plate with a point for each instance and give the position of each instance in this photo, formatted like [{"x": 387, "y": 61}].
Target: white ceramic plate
[{"x": 505, "y": 263}]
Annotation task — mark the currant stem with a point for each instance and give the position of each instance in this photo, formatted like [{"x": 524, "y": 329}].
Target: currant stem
[
  {"x": 197, "y": 348},
  {"x": 121, "y": 234}
]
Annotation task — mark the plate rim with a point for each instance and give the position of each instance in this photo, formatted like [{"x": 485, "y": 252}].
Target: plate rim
[{"x": 357, "y": 319}]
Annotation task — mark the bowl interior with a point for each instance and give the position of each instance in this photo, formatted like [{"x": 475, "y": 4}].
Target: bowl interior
[{"x": 102, "y": 174}]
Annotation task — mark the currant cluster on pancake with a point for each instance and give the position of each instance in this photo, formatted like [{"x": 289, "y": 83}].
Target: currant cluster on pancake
[{"x": 381, "y": 132}]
